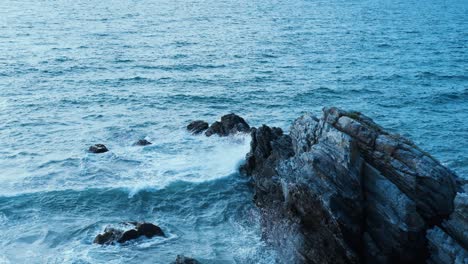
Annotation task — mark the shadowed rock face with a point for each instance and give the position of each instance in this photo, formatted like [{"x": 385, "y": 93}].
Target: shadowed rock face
[
  {"x": 340, "y": 189},
  {"x": 112, "y": 235}
]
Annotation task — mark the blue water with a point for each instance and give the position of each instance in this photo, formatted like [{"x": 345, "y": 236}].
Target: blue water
[{"x": 75, "y": 73}]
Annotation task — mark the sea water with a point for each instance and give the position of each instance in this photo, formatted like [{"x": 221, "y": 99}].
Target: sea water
[{"x": 76, "y": 73}]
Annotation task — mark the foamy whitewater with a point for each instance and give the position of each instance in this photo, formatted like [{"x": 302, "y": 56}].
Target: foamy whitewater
[{"x": 77, "y": 73}]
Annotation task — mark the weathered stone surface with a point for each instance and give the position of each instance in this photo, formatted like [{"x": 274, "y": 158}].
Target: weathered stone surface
[
  {"x": 185, "y": 260},
  {"x": 98, "y": 148},
  {"x": 112, "y": 235},
  {"x": 142, "y": 142},
  {"x": 229, "y": 124},
  {"x": 457, "y": 225},
  {"x": 197, "y": 126},
  {"x": 341, "y": 189},
  {"x": 444, "y": 249}
]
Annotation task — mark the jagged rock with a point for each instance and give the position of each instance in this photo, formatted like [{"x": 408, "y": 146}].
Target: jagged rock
[
  {"x": 457, "y": 225},
  {"x": 341, "y": 189},
  {"x": 197, "y": 127},
  {"x": 448, "y": 244},
  {"x": 112, "y": 235},
  {"x": 108, "y": 237},
  {"x": 149, "y": 230},
  {"x": 185, "y": 260},
  {"x": 230, "y": 124},
  {"x": 98, "y": 148},
  {"x": 142, "y": 142},
  {"x": 444, "y": 249}
]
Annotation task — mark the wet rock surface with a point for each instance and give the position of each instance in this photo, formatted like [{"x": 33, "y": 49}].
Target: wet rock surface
[
  {"x": 98, "y": 148},
  {"x": 341, "y": 189},
  {"x": 113, "y": 235},
  {"x": 230, "y": 124},
  {"x": 197, "y": 127},
  {"x": 142, "y": 142}
]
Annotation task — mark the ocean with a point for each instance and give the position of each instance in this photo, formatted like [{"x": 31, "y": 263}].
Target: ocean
[{"x": 77, "y": 73}]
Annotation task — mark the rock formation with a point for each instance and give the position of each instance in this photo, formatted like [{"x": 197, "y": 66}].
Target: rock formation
[
  {"x": 142, "y": 142},
  {"x": 197, "y": 126},
  {"x": 112, "y": 235},
  {"x": 230, "y": 124},
  {"x": 340, "y": 189},
  {"x": 98, "y": 148}
]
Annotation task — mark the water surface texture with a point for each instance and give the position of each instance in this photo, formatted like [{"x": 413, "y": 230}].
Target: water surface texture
[{"x": 76, "y": 73}]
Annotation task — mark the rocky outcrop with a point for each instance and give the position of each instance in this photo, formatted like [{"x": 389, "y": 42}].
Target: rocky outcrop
[
  {"x": 98, "y": 148},
  {"x": 185, "y": 260},
  {"x": 449, "y": 243},
  {"x": 142, "y": 142},
  {"x": 197, "y": 127},
  {"x": 341, "y": 189},
  {"x": 229, "y": 124},
  {"x": 113, "y": 235}
]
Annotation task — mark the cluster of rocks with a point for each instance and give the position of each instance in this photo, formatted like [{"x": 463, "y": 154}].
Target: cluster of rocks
[
  {"x": 230, "y": 124},
  {"x": 134, "y": 230},
  {"x": 101, "y": 148},
  {"x": 341, "y": 189}
]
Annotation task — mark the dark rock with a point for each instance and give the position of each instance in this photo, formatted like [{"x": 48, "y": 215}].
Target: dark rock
[
  {"x": 112, "y": 235},
  {"x": 230, "y": 124},
  {"x": 142, "y": 142},
  {"x": 149, "y": 230},
  {"x": 98, "y": 148},
  {"x": 341, "y": 189},
  {"x": 128, "y": 235},
  {"x": 198, "y": 126},
  {"x": 185, "y": 260},
  {"x": 109, "y": 236}
]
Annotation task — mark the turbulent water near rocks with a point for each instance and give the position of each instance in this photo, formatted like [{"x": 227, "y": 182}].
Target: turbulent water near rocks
[{"x": 76, "y": 73}]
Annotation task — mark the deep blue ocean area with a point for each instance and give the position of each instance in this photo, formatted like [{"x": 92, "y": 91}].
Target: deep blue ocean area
[{"x": 76, "y": 73}]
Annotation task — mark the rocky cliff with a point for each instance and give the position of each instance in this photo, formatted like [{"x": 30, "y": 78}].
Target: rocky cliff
[{"x": 341, "y": 189}]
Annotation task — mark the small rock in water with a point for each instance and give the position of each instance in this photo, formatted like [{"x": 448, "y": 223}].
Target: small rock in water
[
  {"x": 98, "y": 148},
  {"x": 112, "y": 235},
  {"x": 230, "y": 124},
  {"x": 181, "y": 259},
  {"x": 149, "y": 230},
  {"x": 198, "y": 126},
  {"x": 142, "y": 142},
  {"x": 108, "y": 237}
]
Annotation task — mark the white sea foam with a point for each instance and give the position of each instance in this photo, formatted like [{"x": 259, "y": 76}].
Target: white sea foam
[{"x": 197, "y": 159}]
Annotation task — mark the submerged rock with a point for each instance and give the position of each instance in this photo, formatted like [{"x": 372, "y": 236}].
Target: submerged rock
[
  {"x": 98, "y": 148},
  {"x": 112, "y": 235},
  {"x": 230, "y": 124},
  {"x": 341, "y": 189},
  {"x": 197, "y": 127},
  {"x": 142, "y": 142},
  {"x": 185, "y": 260}
]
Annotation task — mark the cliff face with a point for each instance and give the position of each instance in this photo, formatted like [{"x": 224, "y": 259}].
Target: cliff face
[{"x": 340, "y": 189}]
